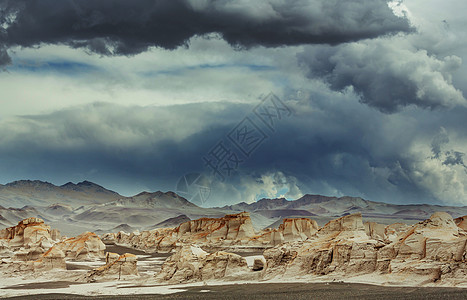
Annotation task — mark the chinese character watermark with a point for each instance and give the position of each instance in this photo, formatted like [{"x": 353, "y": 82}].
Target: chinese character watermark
[{"x": 225, "y": 157}]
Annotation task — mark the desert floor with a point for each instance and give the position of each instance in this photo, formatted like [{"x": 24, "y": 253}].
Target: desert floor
[{"x": 286, "y": 291}]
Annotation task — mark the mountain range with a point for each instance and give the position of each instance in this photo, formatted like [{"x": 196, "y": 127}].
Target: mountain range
[{"x": 74, "y": 208}]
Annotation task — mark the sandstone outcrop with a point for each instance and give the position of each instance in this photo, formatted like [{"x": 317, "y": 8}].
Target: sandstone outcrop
[
  {"x": 52, "y": 259},
  {"x": 116, "y": 266},
  {"x": 234, "y": 229},
  {"x": 341, "y": 245},
  {"x": 29, "y": 239},
  {"x": 437, "y": 238},
  {"x": 215, "y": 233},
  {"x": 430, "y": 251},
  {"x": 384, "y": 233},
  {"x": 191, "y": 264},
  {"x": 291, "y": 229},
  {"x": 86, "y": 246},
  {"x": 33, "y": 246}
]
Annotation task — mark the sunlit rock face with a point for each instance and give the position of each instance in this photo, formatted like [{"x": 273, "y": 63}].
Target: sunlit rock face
[
  {"x": 28, "y": 240},
  {"x": 86, "y": 246}
]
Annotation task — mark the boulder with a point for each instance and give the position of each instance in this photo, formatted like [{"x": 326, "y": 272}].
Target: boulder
[{"x": 191, "y": 264}]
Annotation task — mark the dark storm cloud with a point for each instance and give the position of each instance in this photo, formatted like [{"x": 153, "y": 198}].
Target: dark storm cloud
[
  {"x": 121, "y": 27},
  {"x": 336, "y": 146},
  {"x": 387, "y": 74}
]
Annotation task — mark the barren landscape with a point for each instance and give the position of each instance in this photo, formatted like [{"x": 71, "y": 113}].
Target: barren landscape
[
  {"x": 210, "y": 252},
  {"x": 233, "y": 149}
]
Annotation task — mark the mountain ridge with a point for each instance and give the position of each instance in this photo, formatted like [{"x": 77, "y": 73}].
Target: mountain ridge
[{"x": 72, "y": 207}]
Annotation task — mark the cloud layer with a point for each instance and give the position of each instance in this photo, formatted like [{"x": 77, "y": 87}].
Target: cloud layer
[
  {"x": 386, "y": 75},
  {"x": 121, "y": 27},
  {"x": 337, "y": 147}
]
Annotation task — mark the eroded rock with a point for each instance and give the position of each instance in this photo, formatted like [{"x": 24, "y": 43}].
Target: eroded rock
[
  {"x": 191, "y": 264},
  {"x": 116, "y": 267},
  {"x": 431, "y": 251},
  {"x": 86, "y": 246}
]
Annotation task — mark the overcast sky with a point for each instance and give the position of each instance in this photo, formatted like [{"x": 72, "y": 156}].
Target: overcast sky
[{"x": 133, "y": 95}]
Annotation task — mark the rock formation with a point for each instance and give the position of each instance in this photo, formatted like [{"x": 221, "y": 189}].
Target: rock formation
[
  {"x": 384, "y": 233},
  {"x": 191, "y": 263},
  {"x": 430, "y": 251},
  {"x": 29, "y": 239},
  {"x": 461, "y": 222},
  {"x": 116, "y": 266},
  {"x": 86, "y": 246},
  {"x": 215, "y": 233},
  {"x": 291, "y": 229},
  {"x": 52, "y": 259},
  {"x": 229, "y": 230},
  {"x": 341, "y": 244},
  {"x": 33, "y": 246}
]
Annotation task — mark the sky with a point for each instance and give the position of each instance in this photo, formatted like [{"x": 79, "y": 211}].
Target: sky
[{"x": 245, "y": 99}]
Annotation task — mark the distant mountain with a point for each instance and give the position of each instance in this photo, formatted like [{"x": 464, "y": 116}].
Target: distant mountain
[
  {"x": 88, "y": 187},
  {"x": 142, "y": 210},
  {"x": 43, "y": 194},
  {"x": 86, "y": 205},
  {"x": 123, "y": 227},
  {"x": 74, "y": 208},
  {"x": 334, "y": 207},
  {"x": 153, "y": 200},
  {"x": 58, "y": 209},
  {"x": 172, "y": 222},
  {"x": 11, "y": 216}
]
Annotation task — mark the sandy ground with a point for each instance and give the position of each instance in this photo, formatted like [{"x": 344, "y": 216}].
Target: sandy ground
[{"x": 293, "y": 291}]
